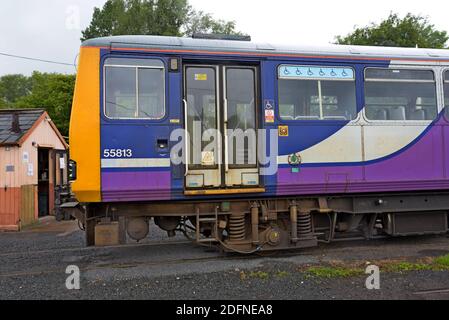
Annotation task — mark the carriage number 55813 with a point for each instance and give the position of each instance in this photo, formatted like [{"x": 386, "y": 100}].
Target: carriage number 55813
[{"x": 117, "y": 153}]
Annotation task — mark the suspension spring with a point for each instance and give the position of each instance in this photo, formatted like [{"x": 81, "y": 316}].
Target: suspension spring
[
  {"x": 237, "y": 227},
  {"x": 304, "y": 225}
]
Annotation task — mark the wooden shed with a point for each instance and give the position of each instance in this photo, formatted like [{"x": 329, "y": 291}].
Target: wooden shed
[{"x": 33, "y": 159}]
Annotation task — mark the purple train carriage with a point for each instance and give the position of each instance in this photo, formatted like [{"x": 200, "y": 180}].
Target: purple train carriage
[{"x": 254, "y": 147}]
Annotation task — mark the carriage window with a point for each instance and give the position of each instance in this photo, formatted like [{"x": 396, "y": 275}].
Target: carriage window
[
  {"x": 316, "y": 93},
  {"x": 400, "y": 94},
  {"x": 134, "y": 88}
]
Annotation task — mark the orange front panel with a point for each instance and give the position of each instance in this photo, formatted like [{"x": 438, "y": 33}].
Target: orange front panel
[{"x": 85, "y": 127}]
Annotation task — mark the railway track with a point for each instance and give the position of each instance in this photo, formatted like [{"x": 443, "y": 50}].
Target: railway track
[
  {"x": 62, "y": 250},
  {"x": 87, "y": 265},
  {"x": 163, "y": 262},
  {"x": 432, "y": 292}
]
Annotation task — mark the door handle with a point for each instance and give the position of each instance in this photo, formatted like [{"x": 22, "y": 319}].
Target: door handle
[
  {"x": 186, "y": 143},
  {"x": 225, "y": 132},
  {"x": 162, "y": 145}
]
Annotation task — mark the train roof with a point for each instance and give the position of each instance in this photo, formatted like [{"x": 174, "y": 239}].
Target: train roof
[{"x": 212, "y": 45}]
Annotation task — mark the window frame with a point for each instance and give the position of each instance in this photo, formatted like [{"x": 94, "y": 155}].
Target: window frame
[
  {"x": 445, "y": 109},
  {"x": 136, "y": 67},
  {"x": 315, "y": 120},
  {"x": 395, "y": 67}
]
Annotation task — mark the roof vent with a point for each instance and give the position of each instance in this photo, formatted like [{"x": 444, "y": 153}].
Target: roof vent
[
  {"x": 354, "y": 50},
  {"x": 219, "y": 36},
  {"x": 15, "y": 126},
  {"x": 433, "y": 53}
]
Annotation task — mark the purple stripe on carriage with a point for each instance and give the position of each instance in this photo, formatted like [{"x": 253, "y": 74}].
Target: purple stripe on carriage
[
  {"x": 421, "y": 166},
  {"x": 134, "y": 186}
]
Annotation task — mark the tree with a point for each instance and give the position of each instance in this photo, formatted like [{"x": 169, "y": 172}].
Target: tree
[
  {"x": 200, "y": 22},
  {"x": 152, "y": 17},
  {"x": 12, "y": 87},
  {"x": 3, "y": 104},
  {"x": 410, "y": 31},
  {"x": 53, "y": 92}
]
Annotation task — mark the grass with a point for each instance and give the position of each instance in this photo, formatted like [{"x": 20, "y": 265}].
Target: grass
[
  {"x": 340, "y": 270},
  {"x": 442, "y": 261},
  {"x": 282, "y": 274},
  {"x": 406, "y": 266},
  {"x": 259, "y": 274},
  {"x": 262, "y": 275},
  {"x": 333, "y": 272}
]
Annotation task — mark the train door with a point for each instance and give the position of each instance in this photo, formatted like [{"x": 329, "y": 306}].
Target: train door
[
  {"x": 220, "y": 117},
  {"x": 240, "y": 135}
]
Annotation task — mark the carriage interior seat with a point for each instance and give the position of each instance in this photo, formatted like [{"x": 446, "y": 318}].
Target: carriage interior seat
[
  {"x": 382, "y": 114},
  {"x": 397, "y": 113},
  {"x": 418, "y": 114}
]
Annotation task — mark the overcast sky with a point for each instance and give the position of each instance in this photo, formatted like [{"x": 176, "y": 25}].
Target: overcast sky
[{"x": 50, "y": 29}]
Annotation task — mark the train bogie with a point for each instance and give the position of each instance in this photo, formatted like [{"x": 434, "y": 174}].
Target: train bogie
[{"x": 257, "y": 225}]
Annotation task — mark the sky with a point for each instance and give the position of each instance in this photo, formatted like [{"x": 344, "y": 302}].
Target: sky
[{"x": 51, "y": 29}]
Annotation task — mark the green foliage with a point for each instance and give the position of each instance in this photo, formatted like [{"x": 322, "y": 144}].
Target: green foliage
[
  {"x": 342, "y": 270},
  {"x": 200, "y": 22},
  {"x": 410, "y": 31},
  {"x": 49, "y": 91},
  {"x": 12, "y": 87},
  {"x": 259, "y": 275},
  {"x": 3, "y": 104},
  {"x": 442, "y": 261},
  {"x": 152, "y": 17},
  {"x": 54, "y": 92},
  {"x": 118, "y": 17},
  {"x": 406, "y": 266},
  {"x": 333, "y": 272},
  {"x": 282, "y": 274}
]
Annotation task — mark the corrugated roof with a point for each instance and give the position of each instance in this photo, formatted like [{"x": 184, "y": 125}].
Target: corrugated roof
[
  {"x": 26, "y": 117},
  {"x": 178, "y": 43}
]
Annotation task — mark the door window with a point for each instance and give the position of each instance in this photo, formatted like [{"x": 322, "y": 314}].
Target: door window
[
  {"x": 201, "y": 115},
  {"x": 241, "y": 118}
]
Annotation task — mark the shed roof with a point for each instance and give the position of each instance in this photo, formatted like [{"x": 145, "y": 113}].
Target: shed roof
[{"x": 26, "y": 119}]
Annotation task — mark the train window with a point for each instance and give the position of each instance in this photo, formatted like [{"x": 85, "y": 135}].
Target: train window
[
  {"x": 316, "y": 93},
  {"x": 400, "y": 94},
  {"x": 151, "y": 93},
  {"x": 120, "y": 92},
  {"x": 134, "y": 88}
]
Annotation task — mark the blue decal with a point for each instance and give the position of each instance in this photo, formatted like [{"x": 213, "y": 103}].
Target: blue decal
[
  {"x": 269, "y": 104},
  {"x": 314, "y": 72}
]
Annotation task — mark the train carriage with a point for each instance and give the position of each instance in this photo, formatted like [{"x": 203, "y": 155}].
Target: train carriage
[{"x": 257, "y": 147}]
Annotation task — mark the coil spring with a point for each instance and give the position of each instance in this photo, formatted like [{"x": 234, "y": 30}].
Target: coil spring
[
  {"x": 304, "y": 226},
  {"x": 237, "y": 227}
]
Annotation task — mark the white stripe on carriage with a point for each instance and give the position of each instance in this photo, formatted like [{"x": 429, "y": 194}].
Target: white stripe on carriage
[
  {"x": 379, "y": 140},
  {"x": 136, "y": 163}
]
